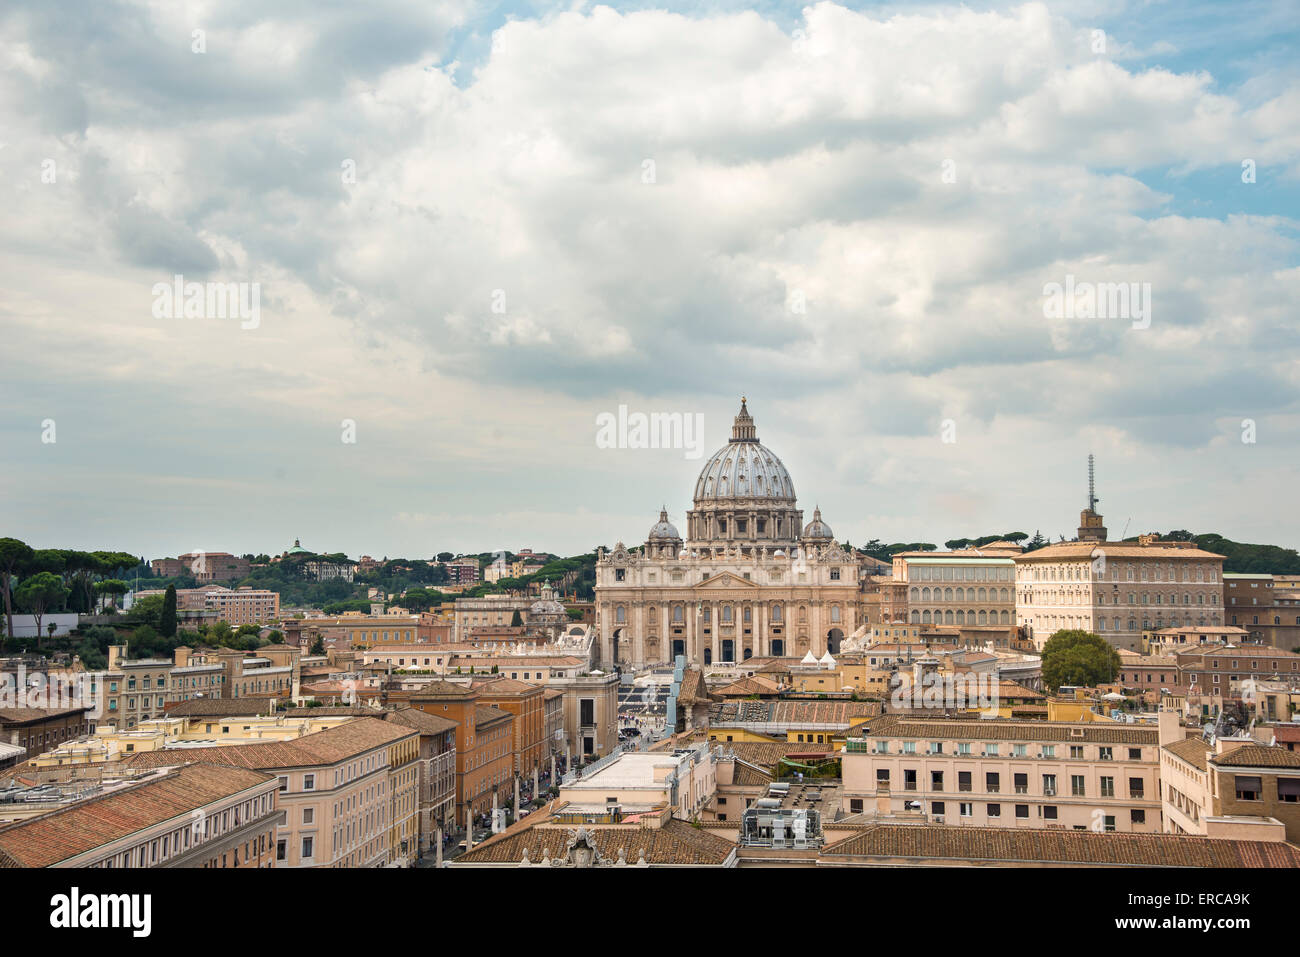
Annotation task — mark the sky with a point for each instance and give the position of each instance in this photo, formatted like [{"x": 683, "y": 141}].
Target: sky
[{"x": 473, "y": 230}]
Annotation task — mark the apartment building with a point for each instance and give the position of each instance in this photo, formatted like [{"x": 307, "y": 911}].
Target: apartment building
[
  {"x": 1229, "y": 787},
  {"x": 485, "y": 758},
  {"x": 202, "y": 566},
  {"x": 1266, "y": 606},
  {"x": 1220, "y": 669},
  {"x": 1007, "y": 773},
  {"x": 37, "y": 729},
  {"x": 198, "y": 815},
  {"x": 364, "y": 631},
  {"x": 974, "y": 586},
  {"x": 1118, "y": 589},
  {"x": 526, "y": 702},
  {"x": 349, "y": 793}
]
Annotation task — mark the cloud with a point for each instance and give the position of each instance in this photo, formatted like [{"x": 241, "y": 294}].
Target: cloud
[{"x": 850, "y": 216}]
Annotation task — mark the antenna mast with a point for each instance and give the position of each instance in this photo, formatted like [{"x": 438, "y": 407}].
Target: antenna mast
[{"x": 1092, "y": 498}]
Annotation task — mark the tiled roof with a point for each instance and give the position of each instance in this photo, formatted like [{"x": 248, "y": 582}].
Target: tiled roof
[
  {"x": 693, "y": 688},
  {"x": 1191, "y": 750},
  {"x": 675, "y": 842},
  {"x": 50, "y": 838},
  {"x": 311, "y": 750},
  {"x": 824, "y": 712},
  {"x": 980, "y": 844},
  {"x": 765, "y": 754},
  {"x": 26, "y": 715},
  {"x": 442, "y": 689},
  {"x": 492, "y": 686},
  {"x": 1082, "y": 551},
  {"x": 749, "y": 775},
  {"x": 1092, "y": 732},
  {"x": 485, "y": 715},
  {"x": 1257, "y": 756},
  {"x": 219, "y": 707}
]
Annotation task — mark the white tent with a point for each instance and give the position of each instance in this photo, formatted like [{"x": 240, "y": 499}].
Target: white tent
[
  {"x": 809, "y": 659},
  {"x": 828, "y": 661}
]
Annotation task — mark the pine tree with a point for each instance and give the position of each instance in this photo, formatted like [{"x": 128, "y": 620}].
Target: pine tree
[{"x": 167, "y": 623}]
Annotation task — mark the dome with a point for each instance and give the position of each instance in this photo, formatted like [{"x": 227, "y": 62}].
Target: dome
[
  {"x": 663, "y": 529},
  {"x": 744, "y": 468},
  {"x": 817, "y": 528}
]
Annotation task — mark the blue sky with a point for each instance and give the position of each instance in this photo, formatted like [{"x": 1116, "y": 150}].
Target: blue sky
[{"x": 848, "y": 213}]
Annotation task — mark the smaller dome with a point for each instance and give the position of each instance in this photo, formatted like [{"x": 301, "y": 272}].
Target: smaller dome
[
  {"x": 664, "y": 530},
  {"x": 817, "y": 528}
]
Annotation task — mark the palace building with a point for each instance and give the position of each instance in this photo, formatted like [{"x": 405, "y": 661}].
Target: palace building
[{"x": 748, "y": 580}]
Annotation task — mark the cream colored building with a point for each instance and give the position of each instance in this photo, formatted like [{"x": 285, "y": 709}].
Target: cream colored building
[
  {"x": 975, "y": 586},
  {"x": 1118, "y": 589},
  {"x": 1098, "y": 775},
  {"x": 749, "y": 579}
]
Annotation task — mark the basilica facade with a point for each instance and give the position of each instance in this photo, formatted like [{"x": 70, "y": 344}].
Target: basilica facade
[{"x": 748, "y": 580}]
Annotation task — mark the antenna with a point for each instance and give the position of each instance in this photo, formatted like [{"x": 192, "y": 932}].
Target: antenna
[{"x": 1092, "y": 498}]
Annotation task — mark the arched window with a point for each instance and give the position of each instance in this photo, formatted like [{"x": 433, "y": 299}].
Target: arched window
[
  {"x": 914, "y": 594},
  {"x": 925, "y": 617}
]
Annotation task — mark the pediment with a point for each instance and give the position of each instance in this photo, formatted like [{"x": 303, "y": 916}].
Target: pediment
[{"x": 727, "y": 580}]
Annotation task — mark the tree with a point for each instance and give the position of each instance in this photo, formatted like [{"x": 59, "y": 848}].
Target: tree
[
  {"x": 39, "y": 592},
  {"x": 318, "y": 646},
  {"x": 1036, "y": 542},
  {"x": 516, "y": 621},
  {"x": 112, "y": 586},
  {"x": 445, "y": 556},
  {"x": 1076, "y": 657},
  {"x": 14, "y": 556},
  {"x": 167, "y": 621},
  {"x": 276, "y": 636}
]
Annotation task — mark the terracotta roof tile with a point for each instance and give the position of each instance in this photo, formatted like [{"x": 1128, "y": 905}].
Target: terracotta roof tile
[
  {"x": 50, "y": 838},
  {"x": 1011, "y": 845}
]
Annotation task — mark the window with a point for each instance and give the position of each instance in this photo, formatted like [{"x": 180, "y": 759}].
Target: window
[
  {"x": 1049, "y": 812},
  {"x": 992, "y": 782},
  {"x": 1049, "y": 785},
  {"x": 307, "y": 847},
  {"x": 1135, "y": 754},
  {"x": 1288, "y": 790},
  {"x": 281, "y": 850},
  {"x": 1136, "y": 787},
  {"x": 1022, "y": 811},
  {"x": 1107, "y": 787},
  {"x": 994, "y": 810},
  {"x": 936, "y": 780},
  {"x": 1249, "y": 788},
  {"x": 1077, "y": 786},
  {"x": 1105, "y": 754},
  {"x": 1137, "y": 816},
  {"x": 964, "y": 781}
]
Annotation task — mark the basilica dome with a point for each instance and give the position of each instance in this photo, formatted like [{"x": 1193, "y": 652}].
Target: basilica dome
[
  {"x": 663, "y": 530},
  {"x": 744, "y": 469},
  {"x": 817, "y": 528}
]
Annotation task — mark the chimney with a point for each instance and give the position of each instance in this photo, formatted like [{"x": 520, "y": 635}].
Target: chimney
[{"x": 1171, "y": 727}]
